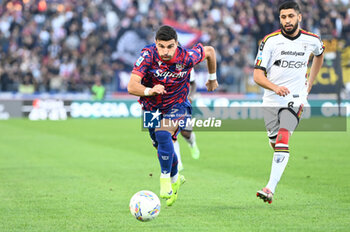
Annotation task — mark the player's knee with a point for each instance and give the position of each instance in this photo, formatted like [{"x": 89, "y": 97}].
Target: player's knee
[
  {"x": 272, "y": 139},
  {"x": 163, "y": 137},
  {"x": 282, "y": 136},
  {"x": 186, "y": 134}
]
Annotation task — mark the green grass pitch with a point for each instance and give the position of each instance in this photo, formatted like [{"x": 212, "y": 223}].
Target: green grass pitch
[{"x": 79, "y": 175}]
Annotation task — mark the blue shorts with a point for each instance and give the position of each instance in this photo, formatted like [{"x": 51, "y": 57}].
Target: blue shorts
[{"x": 181, "y": 111}]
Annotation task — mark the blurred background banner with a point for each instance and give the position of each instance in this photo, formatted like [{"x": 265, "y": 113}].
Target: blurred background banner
[
  {"x": 187, "y": 36},
  {"x": 54, "y": 109},
  {"x": 60, "y": 49},
  {"x": 124, "y": 52},
  {"x": 335, "y": 73},
  {"x": 10, "y": 109}
]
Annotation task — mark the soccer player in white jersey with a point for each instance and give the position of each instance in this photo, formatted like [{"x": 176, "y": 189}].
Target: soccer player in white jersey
[{"x": 281, "y": 66}]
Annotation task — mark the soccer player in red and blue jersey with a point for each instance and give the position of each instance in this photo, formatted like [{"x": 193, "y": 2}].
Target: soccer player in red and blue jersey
[{"x": 161, "y": 77}]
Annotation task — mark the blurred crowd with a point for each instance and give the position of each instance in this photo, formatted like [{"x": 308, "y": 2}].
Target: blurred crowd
[{"x": 68, "y": 45}]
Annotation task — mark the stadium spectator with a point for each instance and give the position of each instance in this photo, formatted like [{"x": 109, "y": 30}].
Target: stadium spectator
[
  {"x": 81, "y": 30},
  {"x": 98, "y": 90}
]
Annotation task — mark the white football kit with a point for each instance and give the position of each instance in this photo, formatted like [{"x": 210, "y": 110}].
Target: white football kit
[{"x": 284, "y": 60}]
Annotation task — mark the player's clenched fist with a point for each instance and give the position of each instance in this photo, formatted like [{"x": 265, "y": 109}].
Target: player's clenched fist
[
  {"x": 211, "y": 85},
  {"x": 157, "y": 89}
]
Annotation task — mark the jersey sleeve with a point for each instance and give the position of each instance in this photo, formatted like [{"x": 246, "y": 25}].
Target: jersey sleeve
[
  {"x": 264, "y": 55},
  {"x": 319, "y": 48},
  {"x": 192, "y": 74},
  {"x": 196, "y": 54},
  {"x": 143, "y": 63}
]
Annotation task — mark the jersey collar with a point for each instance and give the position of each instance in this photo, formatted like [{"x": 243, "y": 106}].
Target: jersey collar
[{"x": 290, "y": 37}]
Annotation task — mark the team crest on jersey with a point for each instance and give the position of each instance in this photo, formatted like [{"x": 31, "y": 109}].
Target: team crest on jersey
[
  {"x": 179, "y": 67},
  {"x": 305, "y": 46}
]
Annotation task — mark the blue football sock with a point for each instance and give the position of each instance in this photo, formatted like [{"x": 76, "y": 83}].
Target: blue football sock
[
  {"x": 174, "y": 165},
  {"x": 165, "y": 151}
]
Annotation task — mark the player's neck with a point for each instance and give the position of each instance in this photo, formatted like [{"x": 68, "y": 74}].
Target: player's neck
[{"x": 293, "y": 36}]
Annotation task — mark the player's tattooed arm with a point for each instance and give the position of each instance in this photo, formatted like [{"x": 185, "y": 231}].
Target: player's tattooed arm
[{"x": 136, "y": 88}]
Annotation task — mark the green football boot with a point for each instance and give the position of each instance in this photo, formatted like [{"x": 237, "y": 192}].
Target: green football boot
[
  {"x": 195, "y": 151},
  {"x": 165, "y": 188},
  {"x": 182, "y": 179},
  {"x": 175, "y": 186}
]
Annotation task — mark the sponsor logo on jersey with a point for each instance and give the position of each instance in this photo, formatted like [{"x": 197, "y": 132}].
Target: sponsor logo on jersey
[
  {"x": 161, "y": 75},
  {"x": 291, "y": 64},
  {"x": 292, "y": 53}
]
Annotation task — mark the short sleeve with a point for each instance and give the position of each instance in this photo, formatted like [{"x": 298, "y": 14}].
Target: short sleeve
[
  {"x": 143, "y": 63},
  {"x": 192, "y": 75},
  {"x": 196, "y": 54},
  {"x": 319, "y": 48},
  {"x": 264, "y": 55}
]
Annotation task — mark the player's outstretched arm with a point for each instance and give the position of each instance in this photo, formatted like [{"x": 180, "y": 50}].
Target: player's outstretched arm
[
  {"x": 210, "y": 56},
  {"x": 317, "y": 63},
  {"x": 260, "y": 79},
  {"x": 136, "y": 88}
]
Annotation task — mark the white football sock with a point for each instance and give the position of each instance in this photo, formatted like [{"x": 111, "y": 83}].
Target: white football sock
[
  {"x": 177, "y": 151},
  {"x": 162, "y": 175},
  {"x": 174, "y": 178},
  {"x": 279, "y": 163},
  {"x": 192, "y": 139}
]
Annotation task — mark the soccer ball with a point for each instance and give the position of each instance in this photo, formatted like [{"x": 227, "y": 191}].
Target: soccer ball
[{"x": 144, "y": 205}]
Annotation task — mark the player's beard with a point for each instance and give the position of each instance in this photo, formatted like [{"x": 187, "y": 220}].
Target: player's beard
[
  {"x": 167, "y": 58},
  {"x": 291, "y": 32}
]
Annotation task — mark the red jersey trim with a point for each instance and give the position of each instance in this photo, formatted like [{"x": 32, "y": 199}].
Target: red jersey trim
[
  {"x": 140, "y": 74},
  {"x": 309, "y": 33},
  {"x": 271, "y": 35}
]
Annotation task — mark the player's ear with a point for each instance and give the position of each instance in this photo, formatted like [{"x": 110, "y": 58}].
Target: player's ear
[{"x": 300, "y": 17}]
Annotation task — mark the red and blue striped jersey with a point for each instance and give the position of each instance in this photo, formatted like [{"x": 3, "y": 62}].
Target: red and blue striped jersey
[{"x": 174, "y": 75}]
